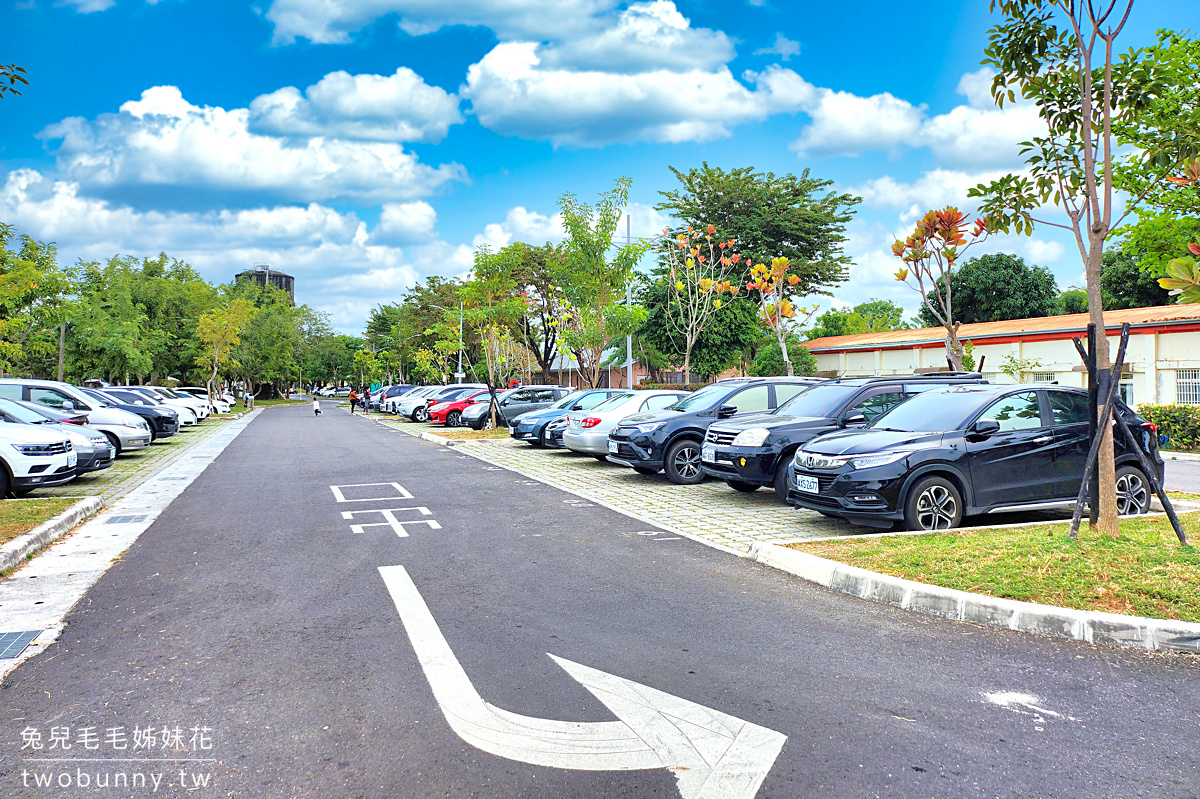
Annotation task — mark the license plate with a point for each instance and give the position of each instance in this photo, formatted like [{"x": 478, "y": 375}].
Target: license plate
[
  {"x": 72, "y": 459},
  {"x": 807, "y": 483},
  {"x": 708, "y": 453},
  {"x": 614, "y": 447}
]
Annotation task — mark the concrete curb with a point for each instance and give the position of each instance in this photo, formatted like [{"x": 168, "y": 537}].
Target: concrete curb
[
  {"x": 1180, "y": 456},
  {"x": 1029, "y": 617},
  {"x": 21, "y": 547}
]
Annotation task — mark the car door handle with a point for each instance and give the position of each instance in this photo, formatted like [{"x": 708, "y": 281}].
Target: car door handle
[{"x": 1043, "y": 439}]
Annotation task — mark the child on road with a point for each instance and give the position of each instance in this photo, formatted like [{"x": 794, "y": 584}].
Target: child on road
[{"x": 316, "y": 407}]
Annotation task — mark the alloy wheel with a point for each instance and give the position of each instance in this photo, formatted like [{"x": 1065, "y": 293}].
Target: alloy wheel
[
  {"x": 687, "y": 462},
  {"x": 1131, "y": 494},
  {"x": 936, "y": 508}
]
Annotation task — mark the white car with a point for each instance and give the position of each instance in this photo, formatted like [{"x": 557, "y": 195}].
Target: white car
[
  {"x": 128, "y": 396},
  {"x": 587, "y": 431},
  {"x": 172, "y": 400},
  {"x": 218, "y": 403},
  {"x": 33, "y": 457},
  {"x": 405, "y": 404}
]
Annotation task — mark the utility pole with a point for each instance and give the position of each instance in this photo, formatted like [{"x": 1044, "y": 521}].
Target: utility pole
[
  {"x": 628, "y": 303},
  {"x": 459, "y": 373}
]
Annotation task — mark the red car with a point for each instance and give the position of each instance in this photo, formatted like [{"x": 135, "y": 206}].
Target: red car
[{"x": 449, "y": 411}]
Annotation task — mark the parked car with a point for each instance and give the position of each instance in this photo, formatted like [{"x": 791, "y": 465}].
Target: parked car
[
  {"x": 532, "y": 426},
  {"x": 163, "y": 421},
  {"x": 755, "y": 450},
  {"x": 92, "y": 447},
  {"x": 552, "y": 437},
  {"x": 126, "y": 431},
  {"x": 587, "y": 431},
  {"x": 219, "y": 403},
  {"x": 967, "y": 450},
  {"x": 33, "y": 457},
  {"x": 184, "y": 414},
  {"x": 405, "y": 404},
  {"x": 418, "y": 409},
  {"x": 512, "y": 403},
  {"x": 449, "y": 410},
  {"x": 447, "y": 394},
  {"x": 670, "y": 440},
  {"x": 171, "y": 400},
  {"x": 380, "y": 399},
  {"x": 342, "y": 391}
]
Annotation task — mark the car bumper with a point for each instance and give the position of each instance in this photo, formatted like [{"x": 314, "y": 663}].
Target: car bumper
[
  {"x": 527, "y": 431},
  {"x": 586, "y": 441},
  {"x": 96, "y": 461},
  {"x": 131, "y": 439},
  {"x": 751, "y": 465},
  {"x": 866, "y": 497},
  {"x": 64, "y": 474},
  {"x": 635, "y": 454}
]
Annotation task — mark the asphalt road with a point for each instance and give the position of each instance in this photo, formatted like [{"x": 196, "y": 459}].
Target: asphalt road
[
  {"x": 1183, "y": 476},
  {"x": 251, "y": 608}
]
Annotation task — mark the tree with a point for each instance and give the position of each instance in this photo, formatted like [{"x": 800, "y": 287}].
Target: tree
[
  {"x": 996, "y": 287},
  {"x": 10, "y": 76},
  {"x": 1061, "y": 55},
  {"x": 594, "y": 312},
  {"x": 773, "y": 284},
  {"x": 220, "y": 332},
  {"x": 769, "y": 362},
  {"x": 1124, "y": 284},
  {"x": 696, "y": 272},
  {"x": 930, "y": 254},
  {"x": 32, "y": 295},
  {"x": 1019, "y": 368},
  {"x": 1072, "y": 300},
  {"x": 872, "y": 316},
  {"x": 537, "y": 272}
]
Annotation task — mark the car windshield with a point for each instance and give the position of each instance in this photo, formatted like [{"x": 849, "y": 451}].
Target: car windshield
[
  {"x": 569, "y": 400},
  {"x": 615, "y": 401},
  {"x": 818, "y": 402},
  {"x": 22, "y": 413},
  {"x": 701, "y": 400},
  {"x": 105, "y": 402},
  {"x": 933, "y": 411}
]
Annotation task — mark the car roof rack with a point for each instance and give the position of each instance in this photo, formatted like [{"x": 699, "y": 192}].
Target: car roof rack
[{"x": 908, "y": 378}]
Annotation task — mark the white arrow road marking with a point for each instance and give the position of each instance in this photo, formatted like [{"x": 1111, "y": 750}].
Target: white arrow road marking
[{"x": 711, "y": 754}]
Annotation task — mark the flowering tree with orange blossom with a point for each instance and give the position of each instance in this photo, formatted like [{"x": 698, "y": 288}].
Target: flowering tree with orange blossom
[
  {"x": 775, "y": 309},
  {"x": 930, "y": 255},
  {"x": 698, "y": 271}
]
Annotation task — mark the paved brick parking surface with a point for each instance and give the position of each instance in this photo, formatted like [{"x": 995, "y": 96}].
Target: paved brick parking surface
[{"x": 710, "y": 511}]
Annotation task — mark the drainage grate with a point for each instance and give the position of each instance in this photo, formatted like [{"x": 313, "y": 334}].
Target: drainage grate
[
  {"x": 125, "y": 519},
  {"x": 13, "y": 644}
]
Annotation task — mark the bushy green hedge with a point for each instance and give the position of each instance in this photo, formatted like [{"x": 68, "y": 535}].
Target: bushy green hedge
[
  {"x": 673, "y": 386},
  {"x": 1179, "y": 423}
]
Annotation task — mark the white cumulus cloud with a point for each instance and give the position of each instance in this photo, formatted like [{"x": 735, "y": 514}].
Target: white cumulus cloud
[
  {"x": 164, "y": 142},
  {"x": 405, "y": 223},
  {"x": 399, "y": 107},
  {"x": 783, "y": 47}
]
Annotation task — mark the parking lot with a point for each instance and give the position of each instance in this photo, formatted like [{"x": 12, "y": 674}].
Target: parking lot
[{"x": 710, "y": 511}]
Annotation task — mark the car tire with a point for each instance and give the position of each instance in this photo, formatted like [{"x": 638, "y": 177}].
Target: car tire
[
  {"x": 116, "y": 443},
  {"x": 486, "y": 423},
  {"x": 933, "y": 503},
  {"x": 454, "y": 419},
  {"x": 1133, "y": 491},
  {"x": 682, "y": 463},
  {"x": 646, "y": 470},
  {"x": 540, "y": 441},
  {"x": 421, "y": 415},
  {"x": 5, "y": 483},
  {"x": 780, "y": 483},
  {"x": 738, "y": 485}
]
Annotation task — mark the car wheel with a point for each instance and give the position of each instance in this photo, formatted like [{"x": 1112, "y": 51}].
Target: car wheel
[
  {"x": 780, "y": 483},
  {"x": 116, "y": 443},
  {"x": 682, "y": 464},
  {"x": 1133, "y": 491},
  {"x": 487, "y": 422},
  {"x": 645, "y": 470},
  {"x": 5, "y": 483},
  {"x": 454, "y": 419},
  {"x": 421, "y": 415},
  {"x": 934, "y": 503},
  {"x": 738, "y": 485}
]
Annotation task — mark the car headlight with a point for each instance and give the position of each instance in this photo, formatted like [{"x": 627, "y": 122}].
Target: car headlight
[
  {"x": 99, "y": 442},
  {"x": 649, "y": 427},
  {"x": 877, "y": 459},
  {"x": 754, "y": 437},
  {"x": 808, "y": 460},
  {"x": 34, "y": 449}
]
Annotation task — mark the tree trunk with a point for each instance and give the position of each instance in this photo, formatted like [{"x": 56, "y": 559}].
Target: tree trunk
[
  {"x": 787, "y": 360},
  {"x": 954, "y": 347},
  {"x": 1106, "y": 472}
]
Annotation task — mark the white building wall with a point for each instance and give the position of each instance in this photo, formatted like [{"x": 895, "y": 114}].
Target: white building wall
[{"x": 1150, "y": 362}]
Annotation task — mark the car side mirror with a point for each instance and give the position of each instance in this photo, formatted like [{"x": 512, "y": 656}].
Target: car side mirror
[
  {"x": 985, "y": 427},
  {"x": 577, "y": 407},
  {"x": 725, "y": 411},
  {"x": 854, "y": 419},
  {"x": 68, "y": 405}
]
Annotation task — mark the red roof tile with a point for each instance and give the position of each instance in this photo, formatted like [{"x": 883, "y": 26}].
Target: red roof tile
[{"x": 1068, "y": 325}]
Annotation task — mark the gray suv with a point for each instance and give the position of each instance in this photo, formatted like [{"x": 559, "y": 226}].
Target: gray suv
[{"x": 124, "y": 430}]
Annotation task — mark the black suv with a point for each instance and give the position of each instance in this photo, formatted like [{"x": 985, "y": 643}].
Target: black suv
[
  {"x": 670, "y": 439},
  {"x": 966, "y": 450},
  {"x": 755, "y": 451}
]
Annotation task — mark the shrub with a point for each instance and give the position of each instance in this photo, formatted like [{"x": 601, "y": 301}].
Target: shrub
[
  {"x": 769, "y": 361},
  {"x": 1179, "y": 425},
  {"x": 672, "y": 386}
]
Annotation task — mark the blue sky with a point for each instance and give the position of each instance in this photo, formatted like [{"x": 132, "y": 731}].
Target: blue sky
[{"x": 363, "y": 144}]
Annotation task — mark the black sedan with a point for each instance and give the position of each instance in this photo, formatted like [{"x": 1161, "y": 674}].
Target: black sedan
[
  {"x": 955, "y": 452},
  {"x": 163, "y": 422}
]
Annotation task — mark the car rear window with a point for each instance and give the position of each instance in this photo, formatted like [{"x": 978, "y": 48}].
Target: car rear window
[{"x": 614, "y": 401}]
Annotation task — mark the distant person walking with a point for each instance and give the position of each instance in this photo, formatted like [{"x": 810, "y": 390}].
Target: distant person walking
[
  {"x": 247, "y": 399},
  {"x": 316, "y": 407},
  {"x": 353, "y": 400}
]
